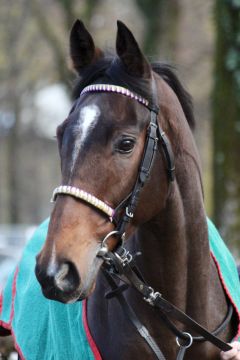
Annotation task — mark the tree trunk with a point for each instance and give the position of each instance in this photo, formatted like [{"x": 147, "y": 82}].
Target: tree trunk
[
  {"x": 226, "y": 120},
  {"x": 161, "y": 18}
]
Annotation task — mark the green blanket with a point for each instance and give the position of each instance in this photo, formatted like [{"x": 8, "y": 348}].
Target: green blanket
[
  {"x": 43, "y": 329},
  {"x": 226, "y": 268},
  {"x": 47, "y": 330}
]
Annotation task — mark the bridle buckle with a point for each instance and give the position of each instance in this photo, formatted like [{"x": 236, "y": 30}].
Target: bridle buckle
[
  {"x": 125, "y": 258},
  {"x": 129, "y": 213},
  {"x": 151, "y": 298}
]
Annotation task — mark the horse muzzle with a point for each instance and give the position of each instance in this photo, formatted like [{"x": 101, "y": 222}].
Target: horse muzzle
[{"x": 59, "y": 281}]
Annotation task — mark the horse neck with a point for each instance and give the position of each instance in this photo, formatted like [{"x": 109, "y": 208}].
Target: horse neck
[
  {"x": 176, "y": 262},
  {"x": 175, "y": 250}
]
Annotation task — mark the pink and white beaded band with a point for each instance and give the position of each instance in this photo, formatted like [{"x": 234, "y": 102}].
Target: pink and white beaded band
[
  {"x": 114, "y": 89},
  {"x": 85, "y": 196}
]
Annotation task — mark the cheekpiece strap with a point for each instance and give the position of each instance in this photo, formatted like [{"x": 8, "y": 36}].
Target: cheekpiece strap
[{"x": 85, "y": 196}]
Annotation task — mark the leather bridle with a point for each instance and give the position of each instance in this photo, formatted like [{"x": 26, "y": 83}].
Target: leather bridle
[
  {"x": 120, "y": 263},
  {"x": 154, "y": 136}
]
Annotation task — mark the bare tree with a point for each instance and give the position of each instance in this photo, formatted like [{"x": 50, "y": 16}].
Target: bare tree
[
  {"x": 69, "y": 13},
  {"x": 21, "y": 67},
  {"x": 161, "y": 18},
  {"x": 11, "y": 74}
]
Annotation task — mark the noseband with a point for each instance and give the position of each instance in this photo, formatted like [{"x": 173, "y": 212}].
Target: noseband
[{"x": 154, "y": 135}]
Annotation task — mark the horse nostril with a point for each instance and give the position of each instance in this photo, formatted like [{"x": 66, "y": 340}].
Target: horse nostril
[
  {"x": 60, "y": 277},
  {"x": 67, "y": 278}
]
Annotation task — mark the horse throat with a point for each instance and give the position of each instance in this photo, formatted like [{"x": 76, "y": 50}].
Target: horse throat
[{"x": 176, "y": 253}]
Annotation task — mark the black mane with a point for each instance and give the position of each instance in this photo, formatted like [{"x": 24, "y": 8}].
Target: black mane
[{"x": 100, "y": 70}]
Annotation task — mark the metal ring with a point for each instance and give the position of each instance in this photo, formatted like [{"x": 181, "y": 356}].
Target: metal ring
[
  {"x": 108, "y": 236},
  {"x": 190, "y": 341}
]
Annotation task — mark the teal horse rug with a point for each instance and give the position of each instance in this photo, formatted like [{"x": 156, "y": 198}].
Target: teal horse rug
[{"x": 48, "y": 330}]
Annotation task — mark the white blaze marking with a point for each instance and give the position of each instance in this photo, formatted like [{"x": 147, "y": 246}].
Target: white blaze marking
[
  {"x": 87, "y": 121},
  {"x": 52, "y": 264},
  {"x": 60, "y": 277}
]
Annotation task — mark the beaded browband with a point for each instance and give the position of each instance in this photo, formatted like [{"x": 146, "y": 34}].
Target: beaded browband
[
  {"x": 114, "y": 89},
  {"x": 79, "y": 193}
]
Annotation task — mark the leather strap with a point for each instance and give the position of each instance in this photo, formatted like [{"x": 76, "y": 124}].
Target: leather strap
[
  {"x": 177, "y": 314},
  {"x": 144, "y": 171},
  {"x": 181, "y": 353},
  {"x": 168, "y": 153},
  {"x": 180, "y": 334},
  {"x": 123, "y": 268},
  {"x": 130, "y": 314}
]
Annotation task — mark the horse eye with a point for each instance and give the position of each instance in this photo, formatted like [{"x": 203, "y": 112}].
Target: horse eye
[{"x": 125, "y": 146}]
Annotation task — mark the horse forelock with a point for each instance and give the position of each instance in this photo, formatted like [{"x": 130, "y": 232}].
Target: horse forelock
[{"x": 110, "y": 70}]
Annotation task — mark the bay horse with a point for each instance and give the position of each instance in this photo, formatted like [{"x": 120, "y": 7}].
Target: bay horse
[{"x": 101, "y": 146}]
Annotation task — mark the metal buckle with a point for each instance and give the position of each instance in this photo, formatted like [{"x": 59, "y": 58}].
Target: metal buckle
[
  {"x": 125, "y": 258},
  {"x": 152, "y": 296},
  {"x": 129, "y": 213},
  {"x": 103, "y": 252},
  {"x": 190, "y": 341}
]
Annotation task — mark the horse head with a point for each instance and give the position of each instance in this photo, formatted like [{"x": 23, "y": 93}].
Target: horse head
[{"x": 101, "y": 145}]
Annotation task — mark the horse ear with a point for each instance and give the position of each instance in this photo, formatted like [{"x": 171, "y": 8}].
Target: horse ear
[
  {"x": 129, "y": 52},
  {"x": 82, "y": 48}
]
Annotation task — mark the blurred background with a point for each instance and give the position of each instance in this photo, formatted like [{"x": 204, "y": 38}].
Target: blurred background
[{"x": 201, "y": 38}]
